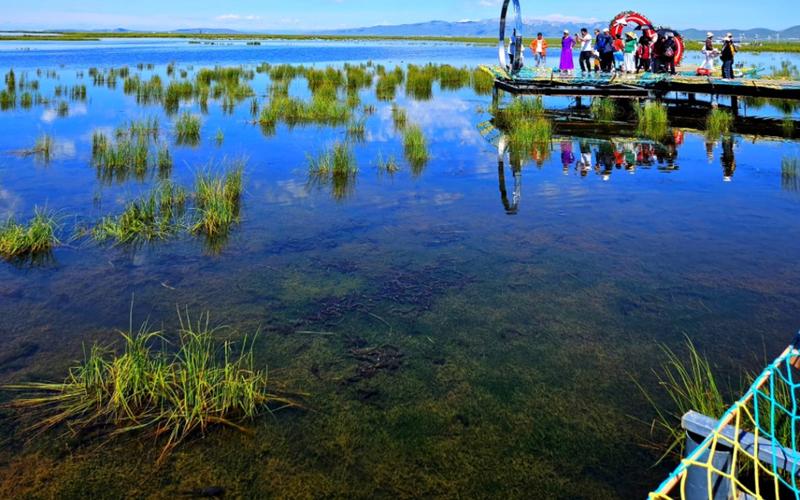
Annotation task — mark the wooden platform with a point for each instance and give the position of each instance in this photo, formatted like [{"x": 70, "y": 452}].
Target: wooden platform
[{"x": 544, "y": 81}]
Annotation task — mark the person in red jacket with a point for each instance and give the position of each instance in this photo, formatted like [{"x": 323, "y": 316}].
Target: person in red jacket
[{"x": 539, "y": 50}]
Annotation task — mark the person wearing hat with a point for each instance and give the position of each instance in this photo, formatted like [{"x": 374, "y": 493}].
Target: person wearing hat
[
  {"x": 605, "y": 46},
  {"x": 567, "y": 64},
  {"x": 709, "y": 52},
  {"x": 728, "y": 54},
  {"x": 630, "y": 53},
  {"x": 668, "y": 52}
]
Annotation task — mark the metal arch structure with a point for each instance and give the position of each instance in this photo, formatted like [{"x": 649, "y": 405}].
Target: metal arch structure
[
  {"x": 624, "y": 19},
  {"x": 516, "y": 63}
]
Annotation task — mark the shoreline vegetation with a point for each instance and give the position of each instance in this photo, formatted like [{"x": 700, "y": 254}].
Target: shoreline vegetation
[{"x": 691, "y": 45}]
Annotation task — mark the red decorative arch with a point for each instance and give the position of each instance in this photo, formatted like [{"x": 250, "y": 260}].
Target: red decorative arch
[{"x": 623, "y": 20}]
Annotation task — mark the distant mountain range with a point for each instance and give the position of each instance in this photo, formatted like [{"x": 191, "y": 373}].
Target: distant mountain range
[{"x": 488, "y": 28}]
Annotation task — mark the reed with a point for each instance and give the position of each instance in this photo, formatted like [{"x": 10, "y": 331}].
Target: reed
[
  {"x": 399, "y": 117},
  {"x": 118, "y": 159},
  {"x": 155, "y": 216},
  {"x": 689, "y": 385},
  {"x": 790, "y": 174},
  {"x": 8, "y": 100},
  {"x": 419, "y": 82},
  {"x": 187, "y": 129},
  {"x": 452, "y": 78},
  {"x": 653, "y": 121},
  {"x": 63, "y": 109},
  {"x": 37, "y": 237},
  {"x": 526, "y": 134},
  {"x": 388, "y": 82},
  {"x": 482, "y": 82},
  {"x": 171, "y": 394},
  {"x": 520, "y": 110},
  {"x": 335, "y": 167},
  {"x": 218, "y": 200},
  {"x": 415, "y": 147},
  {"x": 44, "y": 147},
  {"x": 603, "y": 110},
  {"x": 786, "y": 71},
  {"x": 719, "y": 122},
  {"x": 388, "y": 165},
  {"x": 219, "y": 138},
  {"x": 357, "y": 130}
]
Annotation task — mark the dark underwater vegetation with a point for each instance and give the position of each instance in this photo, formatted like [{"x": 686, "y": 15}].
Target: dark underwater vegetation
[{"x": 386, "y": 285}]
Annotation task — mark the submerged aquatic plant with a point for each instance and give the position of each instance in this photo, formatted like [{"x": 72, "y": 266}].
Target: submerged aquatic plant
[
  {"x": 416, "y": 148},
  {"x": 155, "y": 216},
  {"x": 653, "y": 121},
  {"x": 603, "y": 109},
  {"x": 172, "y": 394},
  {"x": 388, "y": 165},
  {"x": 20, "y": 241},
  {"x": 218, "y": 200},
  {"x": 719, "y": 122}
]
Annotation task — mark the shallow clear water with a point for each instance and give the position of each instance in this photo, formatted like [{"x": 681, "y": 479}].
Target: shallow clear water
[{"x": 525, "y": 297}]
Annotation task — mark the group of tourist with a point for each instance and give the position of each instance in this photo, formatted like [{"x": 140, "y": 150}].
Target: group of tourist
[{"x": 631, "y": 54}]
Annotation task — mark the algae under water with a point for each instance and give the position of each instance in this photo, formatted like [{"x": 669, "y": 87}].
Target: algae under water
[{"x": 471, "y": 326}]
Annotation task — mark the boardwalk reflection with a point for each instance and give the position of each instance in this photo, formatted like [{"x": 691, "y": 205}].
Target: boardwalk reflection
[{"x": 603, "y": 158}]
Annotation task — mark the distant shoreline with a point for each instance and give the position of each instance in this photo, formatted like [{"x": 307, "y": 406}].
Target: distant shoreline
[{"x": 793, "y": 47}]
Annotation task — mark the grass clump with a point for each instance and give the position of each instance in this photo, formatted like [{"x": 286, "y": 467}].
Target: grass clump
[
  {"x": 20, "y": 241},
  {"x": 419, "y": 82},
  {"x": 399, "y": 117},
  {"x": 44, "y": 147},
  {"x": 526, "y": 134},
  {"x": 172, "y": 394},
  {"x": 155, "y": 216},
  {"x": 415, "y": 147},
  {"x": 482, "y": 82},
  {"x": 603, "y": 110},
  {"x": 187, "y": 129},
  {"x": 357, "y": 130},
  {"x": 518, "y": 111},
  {"x": 218, "y": 201},
  {"x": 653, "y": 121},
  {"x": 388, "y": 165},
  {"x": 335, "y": 167},
  {"x": 452, "y": 78},
  {"x": 719, "y": 122},
  {"x": 790, "y": 174},
  {"x": 388, "y": 82},
  {"x": 689, "y": 385}
]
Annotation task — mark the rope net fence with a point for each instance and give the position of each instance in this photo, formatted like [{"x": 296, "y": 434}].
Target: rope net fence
[{"x": 752, "y": 451}]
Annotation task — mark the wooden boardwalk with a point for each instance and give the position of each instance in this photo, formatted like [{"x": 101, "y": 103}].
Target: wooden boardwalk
[{"x": 545, "y": 81}]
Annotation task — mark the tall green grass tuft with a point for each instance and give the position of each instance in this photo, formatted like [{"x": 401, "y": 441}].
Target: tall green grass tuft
[
  {"x": 22, "y": 241},
  {"x": 187, "y": 129},
  {"x": 44, "y": 147},
  {"x": 689, "y": 385},
  {"x": 218, "y": 201},
  {"x": 335, "y": 167},
  {"x": 719, "y": 122},
  {"x": 416, "y": 148},
  {"x": 529, "y": 133},
  {"x": 603, "y": 109},
  {"x": 399, "y": 117},
  {"x": 155, "y": 216},
  {"x": 653, "y": 121},
  {"x": 482, "y": 82},
  {"x": 171, "y": 394},
  {"x": 520, "y": 110},
  {"x": 790, "y": 174}
]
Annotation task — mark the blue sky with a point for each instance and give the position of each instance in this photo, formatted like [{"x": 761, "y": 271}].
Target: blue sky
[{"x": 324, "y": 14}]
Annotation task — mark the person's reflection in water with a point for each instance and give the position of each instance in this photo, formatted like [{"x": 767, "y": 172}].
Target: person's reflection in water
[
  {"x": 728, "y": 159},
  {"x": 584, "y": 163},
  {"x": 630, "y": 157},
  {"x": 511, "y": 207},
  {"x": 605, "y": 159},
  {"x": 567, "y": 156}
]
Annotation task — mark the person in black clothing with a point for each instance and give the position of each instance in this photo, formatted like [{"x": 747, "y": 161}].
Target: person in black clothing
[
  {"x": 670, "y": 48},
  {"x": 644, "y": 51},
  {"x": 656, "y": 55},
  {"x": 728, "y": 53},
  {"x": 605, "y": 46}
]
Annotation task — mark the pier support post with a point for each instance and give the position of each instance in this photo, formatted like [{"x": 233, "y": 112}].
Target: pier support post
[
  {"x": 692, "y": 98},
  {"x": 578, "y": 102},
  {"x": 735, "y": 105},
  {"x": 495, "y": 97},
  {"x": 697, "y": 477}
]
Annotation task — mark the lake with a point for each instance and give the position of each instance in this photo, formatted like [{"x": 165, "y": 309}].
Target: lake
[{"x": 477, "y": 324}]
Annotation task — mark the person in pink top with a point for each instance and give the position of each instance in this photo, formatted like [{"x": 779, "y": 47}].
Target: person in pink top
[{"x": 567, "y": 64}]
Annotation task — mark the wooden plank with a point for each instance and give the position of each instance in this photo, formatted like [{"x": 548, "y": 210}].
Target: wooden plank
[{"x": 783, "y": 458}]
